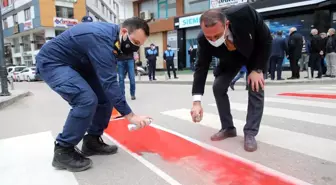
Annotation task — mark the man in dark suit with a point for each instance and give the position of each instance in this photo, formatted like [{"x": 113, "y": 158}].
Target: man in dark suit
[
  {"x": 237, "y": 37},
  {"x": 316, "y": 53},
  {"x": 279, "y": 48},
  {"x": 295, "y": 44}
]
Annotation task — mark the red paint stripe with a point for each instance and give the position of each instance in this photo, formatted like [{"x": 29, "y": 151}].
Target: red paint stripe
[
  {"x": 172, "y": 148},
  {"x": 324, "y": 96}
]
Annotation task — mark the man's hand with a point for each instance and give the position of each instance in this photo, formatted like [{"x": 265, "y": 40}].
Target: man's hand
[
  {"x": 256, "y": 80},
  {"x": 196, "y": 112},
  {"x": 140, "y": 121}
]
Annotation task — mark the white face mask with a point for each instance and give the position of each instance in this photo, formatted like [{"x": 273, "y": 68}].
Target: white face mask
[
  {"x": 169, "y": 48},
  {"x": 218, "y": 42}
]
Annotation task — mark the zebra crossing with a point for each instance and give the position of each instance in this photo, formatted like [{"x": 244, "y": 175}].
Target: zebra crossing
[{"x": 311, "y": 112}]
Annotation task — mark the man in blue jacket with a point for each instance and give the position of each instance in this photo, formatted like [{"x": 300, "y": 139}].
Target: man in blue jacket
[
  {"x": 80, "y": 65},
  {"x": 279, "y": 48}
]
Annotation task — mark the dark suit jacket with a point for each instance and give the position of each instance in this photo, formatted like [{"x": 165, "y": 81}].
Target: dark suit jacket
[
  {"x": 279, "y": 47},
  {"x": 295, "y": 44},
  {"x": 251, "y": 37}
]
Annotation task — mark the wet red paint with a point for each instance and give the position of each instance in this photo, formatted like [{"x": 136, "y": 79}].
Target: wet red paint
[
  {"x": 173, "y": 148},
  {"x": 306, "y": 95}
]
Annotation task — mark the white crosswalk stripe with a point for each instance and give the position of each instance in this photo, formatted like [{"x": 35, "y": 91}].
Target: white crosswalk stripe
[
  {"x": 301, "y": 102},
  {"x": 318, "y": 91},
  {"x": 291, "y": 114},
  {"x": 298, "y": 142},
  {"x": 333, "y": 87}
]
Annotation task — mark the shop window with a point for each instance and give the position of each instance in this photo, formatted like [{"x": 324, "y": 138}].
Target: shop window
[
  {"x": 16, "y": 44},
  {"x": 26, "y": 43},
  {"x": 5, "y": 23},
  {"x": 39, "y": 40},
  {"x": 27, "y": 14},
  {"x": 15, "y": 18},
  {"x": 191, "y": 6},
  {"x": 64, "y": 12},
  {"x": 57, "y": 32}
]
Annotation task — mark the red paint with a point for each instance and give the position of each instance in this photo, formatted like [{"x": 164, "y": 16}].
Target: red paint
[
  {"x": 324, "y": 96},
  {"x": 172, "y": 148}
]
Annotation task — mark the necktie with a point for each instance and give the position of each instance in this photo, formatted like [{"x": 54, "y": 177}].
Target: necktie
[{"x": 229, "y": 44}]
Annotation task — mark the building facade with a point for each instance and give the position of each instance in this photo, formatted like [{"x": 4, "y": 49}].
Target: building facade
[
  {"x": 28, "y": 24},
  {"x": 177, "y": 21},
  {"x": 103, "y": 10}
]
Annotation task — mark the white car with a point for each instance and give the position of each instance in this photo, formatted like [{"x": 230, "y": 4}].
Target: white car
[
  {"x": 27, "y": 74},
  {"x": 13, "y": 71}
]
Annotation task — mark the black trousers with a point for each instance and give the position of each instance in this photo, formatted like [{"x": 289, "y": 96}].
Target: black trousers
[
  {"x": 170, "y": 65},
  {"x": 151, "y": 69},
  {"x": 276, "y": 64},
  {"x": 315, "y": 64},
  {"x": 294, "y": 67},
  {"x": 255, "y": 103}
]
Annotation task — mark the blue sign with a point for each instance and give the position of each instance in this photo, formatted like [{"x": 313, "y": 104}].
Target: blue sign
[{"x": 191, "y": 21}]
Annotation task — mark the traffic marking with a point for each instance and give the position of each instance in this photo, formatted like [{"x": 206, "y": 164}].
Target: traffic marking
[
  {"x": 213, "y": 162},
  {"x": 26, "y": 160},
  {"x": 328, "y": 88},
  {"x": 298, "y": 142},
  {"x": 309, "y": 95},
  {"x": 319, "y": 91},
  {"x": 301, "y": 102},
  {"x": 309, "y": 117}
]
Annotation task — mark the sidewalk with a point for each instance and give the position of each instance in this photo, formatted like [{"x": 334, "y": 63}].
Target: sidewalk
[
  {"x": 185, "y": 79},
  {"x": 15, "y": 96}
]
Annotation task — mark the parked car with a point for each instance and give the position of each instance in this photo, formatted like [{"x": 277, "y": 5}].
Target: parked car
[
  {"x": 13, "y": 72},
  {"x": 27, "y": 74}
]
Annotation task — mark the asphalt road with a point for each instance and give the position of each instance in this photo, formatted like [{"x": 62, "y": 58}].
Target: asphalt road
[{"x": 297, "y": 138}]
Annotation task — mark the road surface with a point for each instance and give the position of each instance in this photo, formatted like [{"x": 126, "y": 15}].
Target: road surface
[{"x": 297, "y": 140}]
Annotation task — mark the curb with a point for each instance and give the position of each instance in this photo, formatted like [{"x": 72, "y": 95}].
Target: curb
[
  {"x": 13, "y": 99},
  {"x": 270, "y": 83}
]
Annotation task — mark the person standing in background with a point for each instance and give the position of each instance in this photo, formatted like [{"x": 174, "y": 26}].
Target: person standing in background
[
  {"x": 192, "y": 56},
  {"x": 168, "y": 58},
  {"x": 151, "y": 55},
  {"x": 324, "y": 38},
  {"x": 331, "y": 54},
  {"x": 305, "y": 57},
  {"x": 279, "y": 48},
  {"x": 295, "y": 44},
  {"x": 126, "y": 65}
]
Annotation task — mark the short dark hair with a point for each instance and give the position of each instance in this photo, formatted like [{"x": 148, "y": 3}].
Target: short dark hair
[
  {"x": 136, "y": 23},
  {"x": 212, "y": 17}
]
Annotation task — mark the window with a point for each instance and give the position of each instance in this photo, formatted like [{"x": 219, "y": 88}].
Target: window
[
  {"x": 150, "y": 6},
  {"x": 27, "y": 14},
  {"x": 191, "y": 6},
  {"x": 103, "y": 9},
  {"x": 64, "y": 12},
  {"x": 166, "y": 8},
  {"x": 26, "y": 43},
  {"x": 39, "y": 40},
  {"x": 15, "y": 18},
  {"x": 57, "y": 32},
  {"x": 16, "y": 44},
  {"x": 96, "y": 3},
  {"x": 5, "y": 23}
]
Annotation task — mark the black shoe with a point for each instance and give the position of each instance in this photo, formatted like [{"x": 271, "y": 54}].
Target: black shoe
[
  {"x": 94, "y": 145},
  {"x": 176, "y": 77},
  {"x": 250, "y": 144},
  {"x": 232, "y": 87},
  {"x": 223, "y": 134},
  {"x": 133, "y": 98},
  {"x": 70, "y": 158}
]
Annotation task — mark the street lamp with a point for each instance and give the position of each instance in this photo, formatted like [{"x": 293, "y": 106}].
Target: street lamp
[{"x": 3, "y": 70}]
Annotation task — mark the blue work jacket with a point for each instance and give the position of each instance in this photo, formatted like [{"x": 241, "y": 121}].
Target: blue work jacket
[{"x": 88, "y": 47}]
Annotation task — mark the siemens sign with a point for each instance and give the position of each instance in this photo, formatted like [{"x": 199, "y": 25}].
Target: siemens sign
[{"x": 191, "y": 21}]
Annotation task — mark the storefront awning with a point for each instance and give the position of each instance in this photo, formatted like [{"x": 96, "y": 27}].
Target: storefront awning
[{"x": 273, "y": 5}]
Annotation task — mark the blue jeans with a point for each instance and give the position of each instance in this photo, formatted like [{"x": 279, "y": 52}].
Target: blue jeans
[{"x": 123, "y": 66}]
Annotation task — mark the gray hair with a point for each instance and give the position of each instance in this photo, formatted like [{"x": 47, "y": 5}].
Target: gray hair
[{"x": 212, "y": 17}]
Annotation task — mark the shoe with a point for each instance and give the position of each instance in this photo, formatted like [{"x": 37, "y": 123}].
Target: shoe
[
  {"x": 176, "y": 77},
  {"x": 94, "y": 145},
  {"x": 250, "y": 144},
  {"x": 70, "y": 158},
  {"x": 232, "y": 87},
  {"x": 223, "y": 134},
  {"x": 133, "y": 98}
]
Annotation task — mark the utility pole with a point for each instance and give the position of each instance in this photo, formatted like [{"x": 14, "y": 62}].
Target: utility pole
[{"x": 3, "y": 70}]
